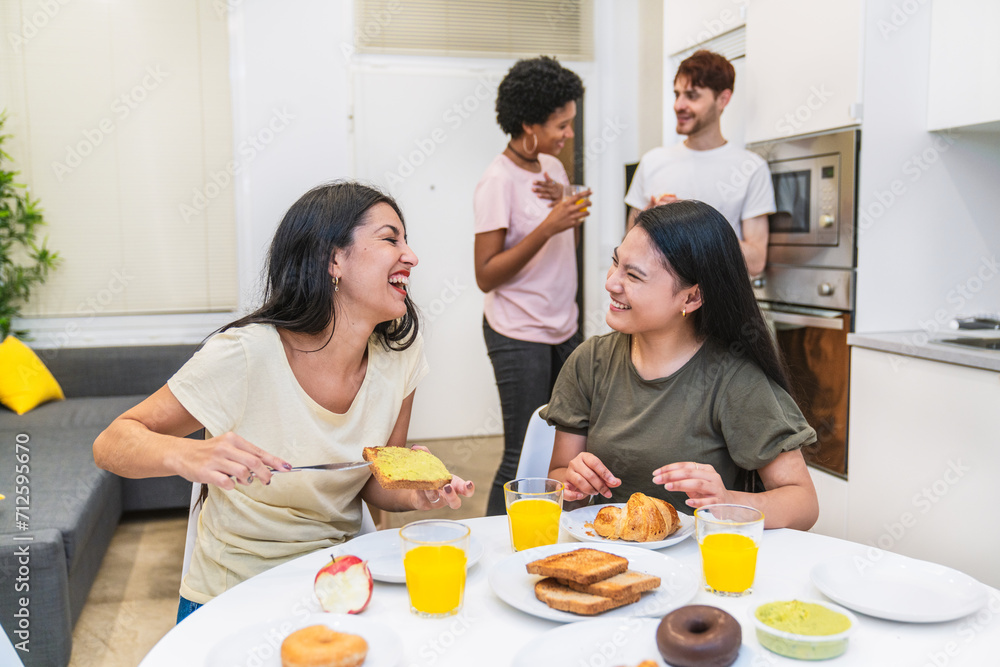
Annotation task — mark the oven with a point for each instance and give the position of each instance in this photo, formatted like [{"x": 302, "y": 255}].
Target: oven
[{"x": 807, "y": 289}]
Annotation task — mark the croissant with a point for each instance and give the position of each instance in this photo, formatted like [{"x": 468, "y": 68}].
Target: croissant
[{"x": 644, "y": 519}]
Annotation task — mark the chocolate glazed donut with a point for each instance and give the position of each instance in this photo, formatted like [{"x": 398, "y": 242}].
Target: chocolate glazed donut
[{"x": 699, "y": 636}]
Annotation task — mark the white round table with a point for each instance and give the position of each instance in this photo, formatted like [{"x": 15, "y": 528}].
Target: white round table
[{"x": 489, "y": 632}]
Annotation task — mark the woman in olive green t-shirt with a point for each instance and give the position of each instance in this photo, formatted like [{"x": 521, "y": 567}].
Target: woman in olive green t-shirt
[{"x": 688, "y": 391}]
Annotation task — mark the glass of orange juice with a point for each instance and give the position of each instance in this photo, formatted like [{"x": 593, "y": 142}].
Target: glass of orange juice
[
  {"x": 575, "y": 193},
  {"x": 434, "y": 558},
  {"x": 729, "y": 536},
  {"x": 534, "y": 505}
]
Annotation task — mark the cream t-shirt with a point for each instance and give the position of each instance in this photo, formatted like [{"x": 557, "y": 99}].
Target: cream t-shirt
[{"x": 240, "y": 381}]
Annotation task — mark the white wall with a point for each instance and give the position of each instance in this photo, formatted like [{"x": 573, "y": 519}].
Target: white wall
[
  {"x": 294, "y": 62},
  {"x": 929, "y": 236},
  {"x": 291, "y": 63},
  {"x": 611, "y": 140}
]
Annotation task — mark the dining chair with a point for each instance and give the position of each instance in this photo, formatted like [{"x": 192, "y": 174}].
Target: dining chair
[
  {"x": 536, "y": 452},
  {"x": 367, "y": 525}
]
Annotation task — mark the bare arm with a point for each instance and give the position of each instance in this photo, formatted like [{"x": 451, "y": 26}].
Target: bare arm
[
  {"x": 495, "y": 266},
  {"x": 789, "y": 501},
  {"x": 754, "y": 243},
  {"x": 401, "y": 500},
  {"x": 148, "y": 441}
]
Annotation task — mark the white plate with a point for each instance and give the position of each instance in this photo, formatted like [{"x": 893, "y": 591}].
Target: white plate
[
  {"x": 260, "y": 645},
  {"x": 574, "y": 522},
  {"x": 899, "y": 588},
  {"x": 621, "y": 641},
  {"x": 510, "y": 580},
  {"x": 384, "y": 554}
]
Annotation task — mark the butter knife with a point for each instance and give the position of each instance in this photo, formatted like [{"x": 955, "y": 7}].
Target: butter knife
[{"x": 349, "y": 465}]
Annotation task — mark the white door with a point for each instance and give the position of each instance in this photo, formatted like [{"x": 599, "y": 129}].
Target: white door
[{"x": 426, "y": 135}]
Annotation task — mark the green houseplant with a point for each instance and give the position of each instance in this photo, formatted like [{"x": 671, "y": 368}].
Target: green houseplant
[{"x": 24, "y": 261}]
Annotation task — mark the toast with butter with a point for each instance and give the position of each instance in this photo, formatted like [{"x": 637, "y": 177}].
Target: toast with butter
[{"x": 405, "y": 468}]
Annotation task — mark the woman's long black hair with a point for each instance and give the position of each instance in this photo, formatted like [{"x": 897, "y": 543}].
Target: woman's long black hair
[
  {"x": 700, "y": 248},
  {"x": 299, "y": 294}
]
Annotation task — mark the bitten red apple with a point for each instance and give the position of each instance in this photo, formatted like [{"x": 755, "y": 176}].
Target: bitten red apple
[{"x": 344, "y": 585}]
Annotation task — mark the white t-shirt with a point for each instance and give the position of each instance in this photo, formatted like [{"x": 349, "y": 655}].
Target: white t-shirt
[
  {"x": 736, "y": 182},
  {"x": 538, "y": 304},
  {"x": 240, "y": 381}
]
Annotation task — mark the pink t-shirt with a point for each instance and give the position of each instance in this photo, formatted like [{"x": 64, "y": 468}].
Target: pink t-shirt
[{"x": 539, "y": 303}]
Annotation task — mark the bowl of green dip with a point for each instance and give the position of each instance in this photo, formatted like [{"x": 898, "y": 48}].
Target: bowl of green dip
[{"x": 803, "y": 629}]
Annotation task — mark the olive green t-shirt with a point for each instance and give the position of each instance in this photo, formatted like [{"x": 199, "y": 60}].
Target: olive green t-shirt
[{"x": 719, "y": 408}]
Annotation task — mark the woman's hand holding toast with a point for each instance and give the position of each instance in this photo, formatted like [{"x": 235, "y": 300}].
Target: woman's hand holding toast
[{"x": 451, "y": 495}]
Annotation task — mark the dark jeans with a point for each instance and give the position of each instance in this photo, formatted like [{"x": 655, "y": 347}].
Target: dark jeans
[
  {"x": 185, "y": 609},
  {"x": 525, "y": 374}
]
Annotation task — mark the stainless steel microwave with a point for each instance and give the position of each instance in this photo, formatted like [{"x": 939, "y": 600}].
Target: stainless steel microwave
[{"x": 815, "y": 187}]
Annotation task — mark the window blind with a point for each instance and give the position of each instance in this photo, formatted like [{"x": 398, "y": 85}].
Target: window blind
[
  {"x": 122, "y": 125},
  {"x": 483, "y": 28}
]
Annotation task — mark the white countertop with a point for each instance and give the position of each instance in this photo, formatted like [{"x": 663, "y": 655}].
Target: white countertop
[
  {"x": 921, "y": 344},
  {"x": 490, "y": 632}
]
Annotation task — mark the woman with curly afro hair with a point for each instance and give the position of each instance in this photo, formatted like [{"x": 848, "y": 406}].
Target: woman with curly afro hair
[{"x": 525, "y": 249}]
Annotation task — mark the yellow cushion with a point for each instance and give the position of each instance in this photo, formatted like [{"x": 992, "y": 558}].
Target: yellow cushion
[{"x": 25, "y": 382}]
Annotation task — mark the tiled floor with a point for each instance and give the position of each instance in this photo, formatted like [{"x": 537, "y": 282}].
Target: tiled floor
[{"x": 134, "y": 600}]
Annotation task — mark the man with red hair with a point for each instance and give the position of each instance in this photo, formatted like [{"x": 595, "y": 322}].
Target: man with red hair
[{"x": 705, "y": 166}]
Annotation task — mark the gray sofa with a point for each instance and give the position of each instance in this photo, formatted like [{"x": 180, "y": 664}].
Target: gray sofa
[{"x": 48, "y": 562}]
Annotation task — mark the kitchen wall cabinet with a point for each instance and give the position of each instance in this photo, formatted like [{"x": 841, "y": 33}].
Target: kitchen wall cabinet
[
  {"x": 687, "y": 24},
  {"x": 925, "y": 455},
  {"x": 803, "y": 67},
  {"x": 964, "y": 81}
]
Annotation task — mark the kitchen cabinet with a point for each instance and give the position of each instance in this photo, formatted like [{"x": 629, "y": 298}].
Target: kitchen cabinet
[
  {"x": 690, "y": 23},
  {"x": 925, "y": 456},
  {"x": 803, "y": 67},
  {"x": 964, "y": 79}
]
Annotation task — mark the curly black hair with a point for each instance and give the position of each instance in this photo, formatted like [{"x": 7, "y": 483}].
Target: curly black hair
[{"x": 532, "y": 90}]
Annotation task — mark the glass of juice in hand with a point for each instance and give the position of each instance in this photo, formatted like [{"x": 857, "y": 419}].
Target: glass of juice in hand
[
  {"x": 534, "y": 505},
  {"x": 728, "y": 536},
  {"x": 574, "y": 192},
  {"x": 434, "y": 558}
]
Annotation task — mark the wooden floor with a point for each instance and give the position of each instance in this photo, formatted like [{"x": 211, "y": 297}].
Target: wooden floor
[{"x": 133, "y": 602}]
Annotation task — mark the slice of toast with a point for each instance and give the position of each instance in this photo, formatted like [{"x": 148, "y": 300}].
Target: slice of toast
[
  {"x": 405, "y": 468},
  {"x": 557, "y": 596},
  {"x": 627, "y": 584},
  {"x": 583, "y": 566}
]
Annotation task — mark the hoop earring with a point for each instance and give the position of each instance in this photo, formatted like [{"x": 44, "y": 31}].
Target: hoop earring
[
  {"x": 524, "y": 144},
  {"x": 336, "y": 284},
  {"x": 684, "y": 313}
]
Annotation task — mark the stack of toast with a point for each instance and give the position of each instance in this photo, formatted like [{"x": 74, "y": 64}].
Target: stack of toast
[{"x": 589, "y": 581}]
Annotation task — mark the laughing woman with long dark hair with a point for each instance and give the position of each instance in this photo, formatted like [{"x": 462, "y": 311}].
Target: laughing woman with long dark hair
[
  {"x": 327, "y": 366},
  {"x": 688, "y": 396}
]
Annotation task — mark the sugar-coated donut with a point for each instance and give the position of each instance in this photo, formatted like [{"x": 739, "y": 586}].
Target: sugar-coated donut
[
  {"x": 699, "y": 636},
  {"x": 319, "y": 646}
]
